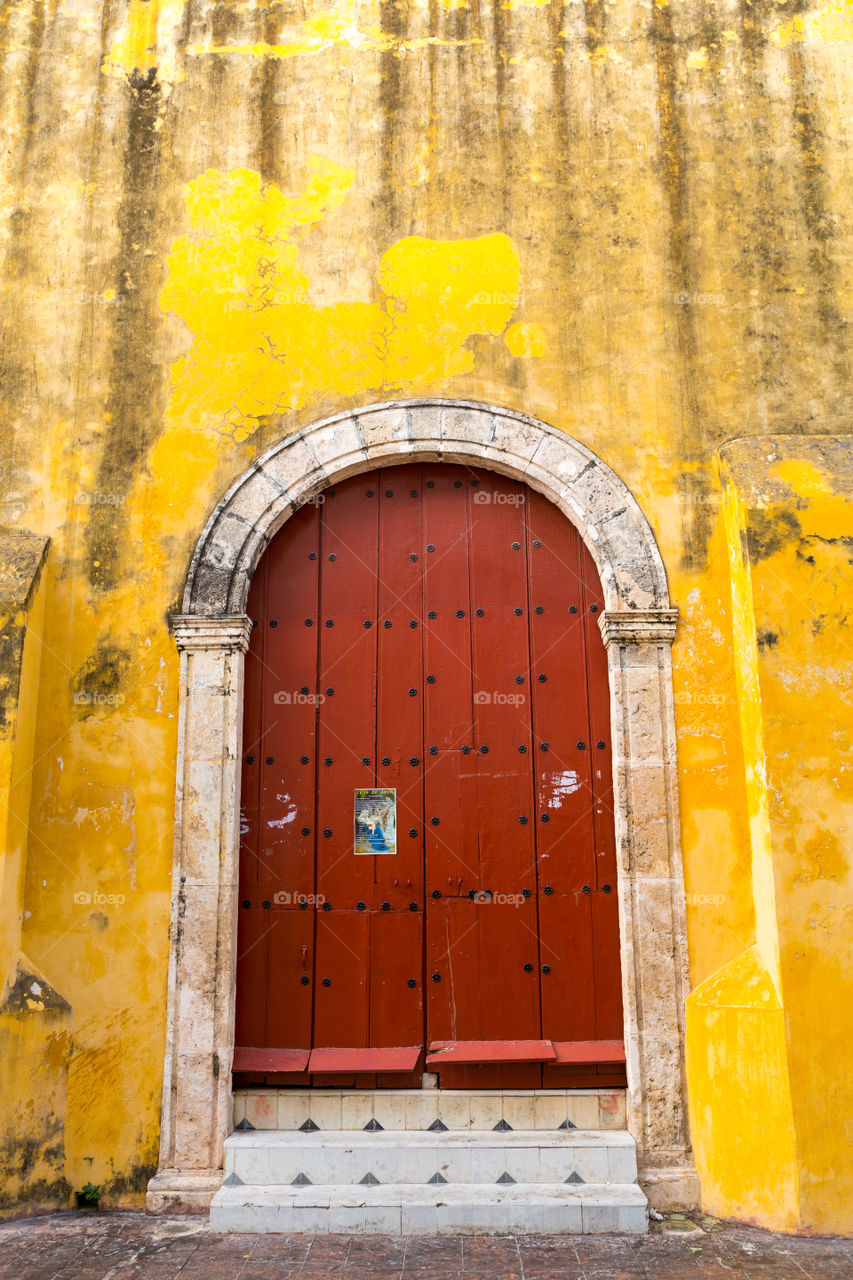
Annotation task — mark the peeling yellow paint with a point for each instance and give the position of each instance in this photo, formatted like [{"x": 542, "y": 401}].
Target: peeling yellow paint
[
  {"x": 261, "y": 342},
  {"x": 336, "y": 26},
  {"x": 144, "y": 42},
  {"x": 698, "y": 58},
  {"x": 833, "y": 23}
]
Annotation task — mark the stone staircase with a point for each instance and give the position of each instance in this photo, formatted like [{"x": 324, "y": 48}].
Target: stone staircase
[{"x": 423, "y": 1175}]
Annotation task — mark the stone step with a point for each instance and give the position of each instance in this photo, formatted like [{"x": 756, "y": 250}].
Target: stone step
[
  {"x": 402, "y": 1209},
  {"x": 417, "y": 1108},
  {"x": 410, "y": 1157}
]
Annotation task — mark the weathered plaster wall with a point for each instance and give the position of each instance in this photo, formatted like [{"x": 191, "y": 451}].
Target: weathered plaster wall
[
  {"x": 790, "y": 518},
  {"x": 221, "y": 221}
]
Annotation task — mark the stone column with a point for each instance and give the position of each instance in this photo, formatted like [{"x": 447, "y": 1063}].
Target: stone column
[
  {"x": 200, "y": 1018},
  {"x": 651, "y": 898}
]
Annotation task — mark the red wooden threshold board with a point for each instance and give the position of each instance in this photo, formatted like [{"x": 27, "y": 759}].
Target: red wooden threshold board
[
  {"x": 346, "y": 1061},
  {"x": 271, "y": 1059},
  {"x": 475, "y": 1051},
  {"x": 588, "y": 1051}
]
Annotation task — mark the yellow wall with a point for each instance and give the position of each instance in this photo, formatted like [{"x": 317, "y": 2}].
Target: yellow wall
[{"x": 223, "y": 221}]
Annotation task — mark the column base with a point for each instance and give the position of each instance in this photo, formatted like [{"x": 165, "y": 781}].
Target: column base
[
  {"x": 173, "y": 1192},
  {"x": 671, "y": 1189}
]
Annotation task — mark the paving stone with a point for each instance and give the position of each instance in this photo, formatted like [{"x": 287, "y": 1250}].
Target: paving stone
[{"x": 125, "y": 1246}]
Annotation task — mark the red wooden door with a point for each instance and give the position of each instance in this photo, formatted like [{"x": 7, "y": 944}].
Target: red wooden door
[{"x": 431, "y": 629}]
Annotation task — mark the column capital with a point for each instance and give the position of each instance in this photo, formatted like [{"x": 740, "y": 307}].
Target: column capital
[
  {"x": 638, "y": 626},
  {"x": 228, "y": 633}
]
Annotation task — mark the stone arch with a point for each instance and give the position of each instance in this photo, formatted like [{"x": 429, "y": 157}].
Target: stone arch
[
  {"x": 638, "y": 626},
  {"x": 584, "y": 488}
]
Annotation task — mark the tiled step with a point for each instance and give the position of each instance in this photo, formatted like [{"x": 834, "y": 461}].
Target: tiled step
[
  {"x": 418, "y": 1108},
  {"x": 411, "y": 1157},
  {"x": 400, "y": 1209}
]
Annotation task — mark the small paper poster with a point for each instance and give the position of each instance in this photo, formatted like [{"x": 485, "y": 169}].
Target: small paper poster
[{"x": 375, "y": 821}]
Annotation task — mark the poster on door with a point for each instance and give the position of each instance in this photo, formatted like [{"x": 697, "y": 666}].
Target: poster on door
[{"x": 375, "y": 820}]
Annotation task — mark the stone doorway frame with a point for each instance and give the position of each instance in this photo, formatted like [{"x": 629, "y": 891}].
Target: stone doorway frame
[{"x": 212, "y": 634}]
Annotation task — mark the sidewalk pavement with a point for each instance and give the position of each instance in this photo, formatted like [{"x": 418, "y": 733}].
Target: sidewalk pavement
[{"x": 133, "y": 1246}]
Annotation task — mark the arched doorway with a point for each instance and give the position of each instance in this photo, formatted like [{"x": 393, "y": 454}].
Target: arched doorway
[
  {"x": 212, "y": 634},
  {"x": 427, "y": 859}
]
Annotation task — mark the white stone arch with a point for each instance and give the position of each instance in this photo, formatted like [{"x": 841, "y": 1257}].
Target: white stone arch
[{"x": 638, "y": 626}]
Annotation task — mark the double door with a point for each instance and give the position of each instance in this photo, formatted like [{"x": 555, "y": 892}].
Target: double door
[{"x": 428, "y": 634}]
